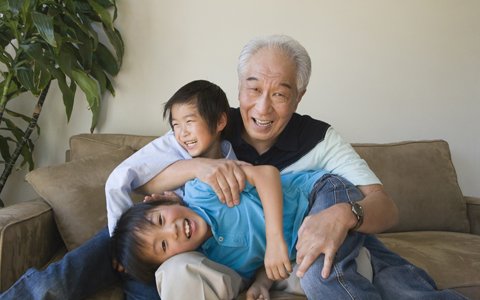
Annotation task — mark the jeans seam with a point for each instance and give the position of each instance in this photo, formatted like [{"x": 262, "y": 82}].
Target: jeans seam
[
  {"x": 336, "y": 182},
  {"x": 342, "y": 282},
  {"x": 414, "y": 271}
]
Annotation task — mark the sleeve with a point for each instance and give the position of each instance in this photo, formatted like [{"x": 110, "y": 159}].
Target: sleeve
[
  {"x": 136, "y": 170},
  {"x": 336, "y": 156}
]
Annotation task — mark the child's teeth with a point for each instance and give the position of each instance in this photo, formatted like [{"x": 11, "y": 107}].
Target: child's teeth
[{"x": 187, "y": 228}]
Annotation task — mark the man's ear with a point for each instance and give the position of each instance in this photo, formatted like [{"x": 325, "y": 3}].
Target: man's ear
[
  {"x": 300, "y": 96},
  {"x": 222, "y": 122}
]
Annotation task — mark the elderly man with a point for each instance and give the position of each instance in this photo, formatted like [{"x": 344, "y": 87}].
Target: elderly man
[{"x": 273, "y": 76}]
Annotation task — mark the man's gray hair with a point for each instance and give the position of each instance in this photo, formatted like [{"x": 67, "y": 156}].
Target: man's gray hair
[{"x": 287, "y": 45}]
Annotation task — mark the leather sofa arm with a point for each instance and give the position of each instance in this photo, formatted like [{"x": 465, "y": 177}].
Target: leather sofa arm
[
  {"x": 28, "y": 238},
  {"x": 473, "y": 211}
]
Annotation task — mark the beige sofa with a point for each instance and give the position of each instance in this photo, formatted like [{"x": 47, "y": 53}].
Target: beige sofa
[{"x": 439, "y": 228}]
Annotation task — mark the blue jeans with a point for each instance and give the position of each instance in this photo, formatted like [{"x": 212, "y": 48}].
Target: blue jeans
[
  {"x": 393, "y": 276},
  {"x": 80, "y": 273}
]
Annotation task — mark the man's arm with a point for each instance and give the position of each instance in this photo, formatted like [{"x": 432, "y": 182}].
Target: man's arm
[
  {"x": 266, "y": 179},
  {"x": 325, "y": 231}
]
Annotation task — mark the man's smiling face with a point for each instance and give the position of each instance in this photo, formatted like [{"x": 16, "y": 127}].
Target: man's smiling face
[{"x": 268, "y": 97}]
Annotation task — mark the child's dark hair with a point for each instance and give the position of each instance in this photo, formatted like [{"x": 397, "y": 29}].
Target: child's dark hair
[
  {"x": 126, "y": 242},
  {"x": 210, "y": 99}
]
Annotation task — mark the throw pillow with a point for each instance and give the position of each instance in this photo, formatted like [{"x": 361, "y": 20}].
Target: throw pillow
[{"x": 76, "y": 193}]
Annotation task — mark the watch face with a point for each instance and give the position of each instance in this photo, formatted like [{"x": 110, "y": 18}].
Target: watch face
[{"x": 357, "y": 210}]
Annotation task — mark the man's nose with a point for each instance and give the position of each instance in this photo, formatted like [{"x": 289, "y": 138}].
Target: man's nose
[{"x": 264, "y": 103}]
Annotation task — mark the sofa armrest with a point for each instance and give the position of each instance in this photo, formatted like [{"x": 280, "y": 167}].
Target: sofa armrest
[
  {"x": 28, "y": 238},
  {"x": 473, "y": 211}
]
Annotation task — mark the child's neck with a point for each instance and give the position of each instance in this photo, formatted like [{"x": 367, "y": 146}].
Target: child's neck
[{"x": 215, "y": 151}]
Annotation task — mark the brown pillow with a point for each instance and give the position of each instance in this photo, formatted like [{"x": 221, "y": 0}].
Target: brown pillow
[
  {"x": 421, "y": 179},
  {"x": 76, "y": 193}
]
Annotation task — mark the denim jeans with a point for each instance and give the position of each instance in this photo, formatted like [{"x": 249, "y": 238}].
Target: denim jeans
[
  {"x": 80, "y": 273},
  {"x": 393, "y": 276}
]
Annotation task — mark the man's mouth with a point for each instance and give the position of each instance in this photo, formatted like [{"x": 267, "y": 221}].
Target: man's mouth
[
  {"x": 188, "y": 229},
  {"x": 262, "y": 123}
]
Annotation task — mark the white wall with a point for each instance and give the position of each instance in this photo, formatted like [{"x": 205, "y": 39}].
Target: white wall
[{"x": 383, "y": 71}]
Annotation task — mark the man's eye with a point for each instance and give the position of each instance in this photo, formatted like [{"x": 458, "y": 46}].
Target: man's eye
[
  {"x": 160, "y": 221},
  {"x": 164, "y": 246}
]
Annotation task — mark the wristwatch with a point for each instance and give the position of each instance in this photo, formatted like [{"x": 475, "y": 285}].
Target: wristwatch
[{"x": 357, "y": 211}]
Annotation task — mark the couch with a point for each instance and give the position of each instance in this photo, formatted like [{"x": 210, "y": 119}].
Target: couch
[{"x": 439, "y": 228}]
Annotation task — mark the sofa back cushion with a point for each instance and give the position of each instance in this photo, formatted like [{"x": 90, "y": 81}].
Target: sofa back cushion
[
  {"x": 422, "y": 181},
  {"x": 418, "y": 175},
  {"x": 82, "y": 145},
  {"x": 76, "y": 192}
]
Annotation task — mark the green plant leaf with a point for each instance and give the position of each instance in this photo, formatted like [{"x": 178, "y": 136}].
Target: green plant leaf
[
  {"x": 44, "y": 25},
  {"x": 68, "y": 92},
  {"x": 14, "y": 129},
  {"x": 4, "y": 148},
  {"x": 6, "y": 58},
  {"x": 41, "y": 77},
  {"x": 92, "y": 92},
  {"x": 85, "y": 28},
  {"x": 85, "y": 49},
  {"x": 102, "y": 13},
  {"x": 35, "y": 51},
  {"x": 27, "y": 157},
  {"x": 106, "y": 60},
  {"x": 4, "y": 7},
  {"x": 15, "y": 6},
  {"x": 25, "y": 77},
  {"x": 101, "y": 78},
  {"x": 67, "y": 58},
  {"x": 115, "y": 39},
  {"x": 110, "y": 87}
]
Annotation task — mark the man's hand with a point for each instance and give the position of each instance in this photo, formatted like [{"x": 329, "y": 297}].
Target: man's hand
[
  {"x": 225, "y": 177},
  {"x": 277, "y": 263},
  {"x": 322, "y": 233},
  {"x": 167, "y": 195}
]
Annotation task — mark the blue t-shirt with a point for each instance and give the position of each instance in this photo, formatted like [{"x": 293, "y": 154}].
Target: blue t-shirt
[{"x": 238, "y": 239}]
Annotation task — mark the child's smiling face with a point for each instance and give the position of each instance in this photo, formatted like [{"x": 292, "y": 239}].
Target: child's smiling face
[
  {"x": 192, "y": 131},
  {"x": 175, "y": 229}
]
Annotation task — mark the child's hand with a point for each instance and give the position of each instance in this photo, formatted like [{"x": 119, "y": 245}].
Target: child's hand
[
  {"x": 257, "y": 291},
  {"x": 277, "y": 263},
  {"x": 167, "y": 195},
  {"x": 260, "y": 287}
]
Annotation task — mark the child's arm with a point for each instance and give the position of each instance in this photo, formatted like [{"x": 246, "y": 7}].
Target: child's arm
[
  {"x": 267, "y": 181},
  {"x": 260, "y": 287}
]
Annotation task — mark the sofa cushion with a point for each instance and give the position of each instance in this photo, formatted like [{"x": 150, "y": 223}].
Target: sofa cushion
[
  {"x": 451, "y": 258},
  {"x": 82, "y": 145},
  {"x": 421, "y": 179},
  {"x": 75, "y": 191}
]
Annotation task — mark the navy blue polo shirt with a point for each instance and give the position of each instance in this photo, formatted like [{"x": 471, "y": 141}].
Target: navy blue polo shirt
[{"x": 299, "y": 137}]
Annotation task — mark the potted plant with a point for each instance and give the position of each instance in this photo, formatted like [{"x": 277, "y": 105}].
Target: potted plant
[{"x": 43, "y": 41}]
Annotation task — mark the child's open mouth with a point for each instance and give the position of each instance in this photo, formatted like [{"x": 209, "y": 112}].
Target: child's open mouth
[
  {"x": 187, "y": 227},
  {"x": 190, "y": 144}
]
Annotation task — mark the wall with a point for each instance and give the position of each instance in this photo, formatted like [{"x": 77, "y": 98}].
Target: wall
[{"x": 383, "y": 71}]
